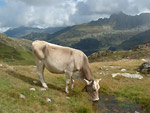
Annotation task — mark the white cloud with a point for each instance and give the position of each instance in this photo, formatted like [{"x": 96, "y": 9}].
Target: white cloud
[{"x": 48, "y": 13}]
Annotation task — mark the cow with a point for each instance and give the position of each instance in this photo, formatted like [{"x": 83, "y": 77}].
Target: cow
[{"x": 59, "y": 59}]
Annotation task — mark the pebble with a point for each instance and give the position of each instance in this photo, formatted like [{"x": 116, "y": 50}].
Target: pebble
[
  {"x": 22, "y": 96},
  {"x": 35, "y": 82},
  {"x": 123, "y": 70},
  {"x": 43, "y": 89},
  {"x": 48, "y": 100},
  {"x": 32, "y": 89},
  {"x": 68, "y": 98}
]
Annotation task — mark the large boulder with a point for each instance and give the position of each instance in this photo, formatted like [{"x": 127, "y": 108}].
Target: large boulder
[{"x": 145, "y": 68}]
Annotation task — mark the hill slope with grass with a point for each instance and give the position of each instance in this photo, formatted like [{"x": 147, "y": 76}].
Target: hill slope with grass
[
  {"x": 15, "y": 51},
  {"x": 135, "y": 41},
  {"x": 138, "y": 52}
]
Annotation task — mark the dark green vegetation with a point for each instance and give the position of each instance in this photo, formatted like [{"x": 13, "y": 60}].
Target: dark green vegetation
[
  {"x": 135, "y": 40},
  {"x": 15, "y": 51}
]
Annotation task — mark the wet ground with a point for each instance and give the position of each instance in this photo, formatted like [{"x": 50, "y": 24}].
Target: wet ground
[{"x": 108, "y": 104}]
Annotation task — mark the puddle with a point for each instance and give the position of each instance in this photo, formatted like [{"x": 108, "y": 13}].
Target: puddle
[{"x": 108, "y": 104}]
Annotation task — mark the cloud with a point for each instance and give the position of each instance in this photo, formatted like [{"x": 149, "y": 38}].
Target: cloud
[{"x": 51, "y": 13}]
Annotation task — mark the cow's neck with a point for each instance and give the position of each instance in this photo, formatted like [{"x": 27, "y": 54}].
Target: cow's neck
[{"x": 87, "y": 74}]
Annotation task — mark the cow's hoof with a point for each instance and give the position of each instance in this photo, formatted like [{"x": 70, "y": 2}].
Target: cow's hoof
[
  {"x": 44, "y": 85},
  {"x": 67, "y": 92}
]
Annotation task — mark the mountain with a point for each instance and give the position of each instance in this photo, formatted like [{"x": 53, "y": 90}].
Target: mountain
[
  {"x": 134, "y": 41},
  {"x": 102, "y": 34},
  {"x": 106, "y": 33},
  {"x": 123, "y": 21},
  {"x": 15, "y": 51},
  {"x": 23, "y": 31}
]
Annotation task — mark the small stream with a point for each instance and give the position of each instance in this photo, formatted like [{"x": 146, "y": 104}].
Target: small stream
[{"x": 108, "y": 104}]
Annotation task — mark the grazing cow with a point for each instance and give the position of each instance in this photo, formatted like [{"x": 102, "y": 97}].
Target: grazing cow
[{"x": 58, "y": 59}]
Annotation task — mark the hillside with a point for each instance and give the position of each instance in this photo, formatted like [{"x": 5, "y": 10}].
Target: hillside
[
  {"x": 135, "y": 41},
  {"x": 15, "y": 51},
  {"x": 138, "y": 52},
  {"x": 22, "y": 31}
]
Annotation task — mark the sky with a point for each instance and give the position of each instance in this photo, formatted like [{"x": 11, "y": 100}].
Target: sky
[{"x": 56, "y": 13}]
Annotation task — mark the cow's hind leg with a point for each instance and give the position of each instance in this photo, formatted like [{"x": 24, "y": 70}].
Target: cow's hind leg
[
  {"x": 68, "y": 78},
  {"x": 40, "y": 69}
]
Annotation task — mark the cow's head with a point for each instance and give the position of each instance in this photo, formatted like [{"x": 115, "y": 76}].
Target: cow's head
[{"x": 92, "y": 88}]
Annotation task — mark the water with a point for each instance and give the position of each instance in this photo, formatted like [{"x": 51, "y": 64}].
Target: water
[{"x": 108, "y": 104}]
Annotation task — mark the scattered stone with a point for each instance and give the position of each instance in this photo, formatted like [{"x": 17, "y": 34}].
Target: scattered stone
[
  {"x": 138, "y": 76},
  {"x": 68, "y": 98},
  {"x": 137, "y": 112},
  {"x": 1, "y": 65},
  {"x": 144, "y": 60},
  {"x": 43, "y": 89},
  {"x": 35, "y": 82},
  {"x": 48, "y": 100},
  {"x": 123, "y": 70},
  {"x": 10, "y": 68},
  {"x": 32, "y": 89},
  {"x": 22, "y": 96}
]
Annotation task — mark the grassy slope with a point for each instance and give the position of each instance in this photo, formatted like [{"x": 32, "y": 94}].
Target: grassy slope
[
  {"x": 15, "y": 51},
  {"x": 139, "y": 52},
  {"x": 18, "y": 80}
]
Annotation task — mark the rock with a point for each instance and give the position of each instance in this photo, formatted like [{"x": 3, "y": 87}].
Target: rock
[
  {"x": 10, "y": 68},
  {"x": 48, "y": 100},
  {"x": 144, "y": 68},
  {"x": 68, "y": 98},
  {"x": 138, "y": 76},
  {"x": 32, "y": 89},
  {"x": 22, "y": 96},
  {"x": 43, "y": 89},
  {"x": 123, "y": 70},
  {"x": 1, "y": 65},
  {"x": 35, "y": 82},
  {"x": 144, "y": 60}
]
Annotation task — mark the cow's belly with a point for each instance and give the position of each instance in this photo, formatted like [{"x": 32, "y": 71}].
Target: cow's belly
[{"x": 54, "y": 68}]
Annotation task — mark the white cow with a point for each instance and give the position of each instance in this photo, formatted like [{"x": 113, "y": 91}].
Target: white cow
[{"x": 72, "y": 62}]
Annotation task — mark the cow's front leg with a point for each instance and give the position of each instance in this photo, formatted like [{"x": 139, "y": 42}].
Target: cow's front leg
[
  {"x": 40, "y": 69},
  {"x": 68, "y": 77},
  {"x": 72, "y": 83}
]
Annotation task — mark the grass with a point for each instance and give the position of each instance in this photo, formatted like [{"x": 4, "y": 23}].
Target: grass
[
  {"x": 124, "y": 88},
  {"x": 18, "y": 80}
]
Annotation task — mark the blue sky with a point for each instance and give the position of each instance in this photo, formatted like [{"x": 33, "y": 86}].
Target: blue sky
[
  {"x": 52, "y": 13},
  {"x": 2, "y": 3}
]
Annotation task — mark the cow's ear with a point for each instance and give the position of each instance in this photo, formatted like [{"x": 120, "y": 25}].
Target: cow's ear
[{"x": 87, "y": 82}]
